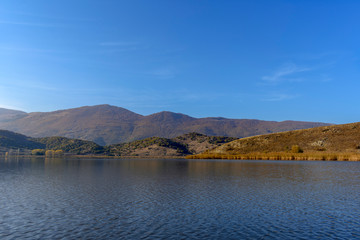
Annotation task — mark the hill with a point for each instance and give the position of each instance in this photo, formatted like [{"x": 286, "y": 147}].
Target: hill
[
  {"x": 153, "y": 146},
  {"x": 105, "y": 124},
  {"x": 13, "y": 140},
  {"x": 74, "y": 146},
  {"x": 187, "y": 144},
  {"x": 337, "y": 142}
]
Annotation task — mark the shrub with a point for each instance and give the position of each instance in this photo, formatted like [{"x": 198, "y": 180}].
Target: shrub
[
  {"x": 296, "y": 149},
  {"x": 49, "y": 153},
  {"x": 38, "y": 152},
  {"x": 59, "y": 153}
]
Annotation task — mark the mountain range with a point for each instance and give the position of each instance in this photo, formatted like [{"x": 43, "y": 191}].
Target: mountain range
[{"x": 106, "y": 124}]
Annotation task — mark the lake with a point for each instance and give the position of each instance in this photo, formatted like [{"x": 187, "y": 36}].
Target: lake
[{"x": 178, "y": 199}]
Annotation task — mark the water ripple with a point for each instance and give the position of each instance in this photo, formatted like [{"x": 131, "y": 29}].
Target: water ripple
[{"x": 178, "y": 199}]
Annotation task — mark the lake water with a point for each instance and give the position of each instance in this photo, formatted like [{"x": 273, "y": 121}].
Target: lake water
[{"x": 178, "y": 199}]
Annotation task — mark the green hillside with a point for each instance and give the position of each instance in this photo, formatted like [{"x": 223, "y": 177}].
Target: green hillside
[
  {"x": 68, "y": 145},
  {"x": 14, "y": 140}
]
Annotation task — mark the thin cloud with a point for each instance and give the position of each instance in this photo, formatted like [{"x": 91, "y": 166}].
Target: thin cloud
[
  {"x": 32, "y": 24},
  {"x": 36, "y": 85},
  {"x": 163, "y": 73},
  {"x": 46, "y": 16},
  {"x": 117, "y": 50},
  {"x": 329, "y": 55},
  {"x": 285, "y": 71},
  {"x": 279, "y": 97},
  {"x": 118, "y": 47},
  {"x": 11, "y": 107},
  {"x": 33, "y": 50},
  {"x": 118, "y": 44}
]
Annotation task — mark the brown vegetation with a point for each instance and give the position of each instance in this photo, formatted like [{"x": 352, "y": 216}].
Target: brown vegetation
[
  {"x": 337, "y": 142},
  {"x": 323, "y": 156},
  {"x": 190, "y": 143}
]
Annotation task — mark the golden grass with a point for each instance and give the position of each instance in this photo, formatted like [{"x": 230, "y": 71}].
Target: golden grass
[{"x": 311, "y": 156}]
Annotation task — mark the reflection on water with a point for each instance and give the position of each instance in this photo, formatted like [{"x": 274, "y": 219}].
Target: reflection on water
[{"x": 178, "y": 199}]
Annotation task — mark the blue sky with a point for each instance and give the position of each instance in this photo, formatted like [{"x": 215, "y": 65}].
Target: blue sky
[{"x": 270, "y": 60}]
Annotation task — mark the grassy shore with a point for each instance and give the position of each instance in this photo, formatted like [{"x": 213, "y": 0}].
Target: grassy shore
[{"x": 312, "y": 156}]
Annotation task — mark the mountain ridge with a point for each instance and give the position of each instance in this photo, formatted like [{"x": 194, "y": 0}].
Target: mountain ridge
[{"x": 106, "y": 124}]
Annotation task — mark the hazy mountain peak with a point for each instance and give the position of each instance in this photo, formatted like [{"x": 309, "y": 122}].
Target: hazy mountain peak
[{"x": 10, "y": 115}]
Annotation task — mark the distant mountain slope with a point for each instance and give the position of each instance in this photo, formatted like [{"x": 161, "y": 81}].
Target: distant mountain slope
[
  {"x": 343, "y": 138},
  {"x": 105, "y": 124},
  {"x": 102, "y": 124},
  {"x": 7, "y": 115}
]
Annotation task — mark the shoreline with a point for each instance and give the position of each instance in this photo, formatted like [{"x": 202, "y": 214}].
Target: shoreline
[
  {"x": 309, "y": 156},
  {"x": 75, "y": 156}
]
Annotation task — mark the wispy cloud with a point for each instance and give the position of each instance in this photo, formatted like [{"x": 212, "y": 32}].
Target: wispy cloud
[
  {"x": 12, "y": 107},
  {"x": 45, "y": 16},
  {"x": 32, "y": 24},
  {"x": 320, "y": 56},
  {"x": 279, "y": 97},
  {"x": 326, "y": 78},
  {"x": 23, "y": 85},
  {"x": 118, "y": 44},
  {"x": 163, "y": 73},
  {"x": 285, "y": 72},
  {"x": 32, "y": 50}
]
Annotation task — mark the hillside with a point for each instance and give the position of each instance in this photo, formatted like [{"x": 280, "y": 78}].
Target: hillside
[
  {"x": 7, "y": 115},
  {"x": 105, "y": 124},
  {"x": 74, "y": 146},
  {"x": 88, "y": 123},
  {"x": 187, "y": 144},
  {"x": 14, "y": 140},
  {"x": 10, "y": 141},
  {"x": 323, "y": 143},
  {"x": 198, "y": 143},
  {"x": 153, "y": 146}
]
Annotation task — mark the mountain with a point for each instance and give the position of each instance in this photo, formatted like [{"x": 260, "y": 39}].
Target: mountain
[
  {"x": 102, "y": 124},
  {"x": 337, "y": 142},
  {"x": 105, "y": 124},
  {"x": 7, "y": 115}
]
